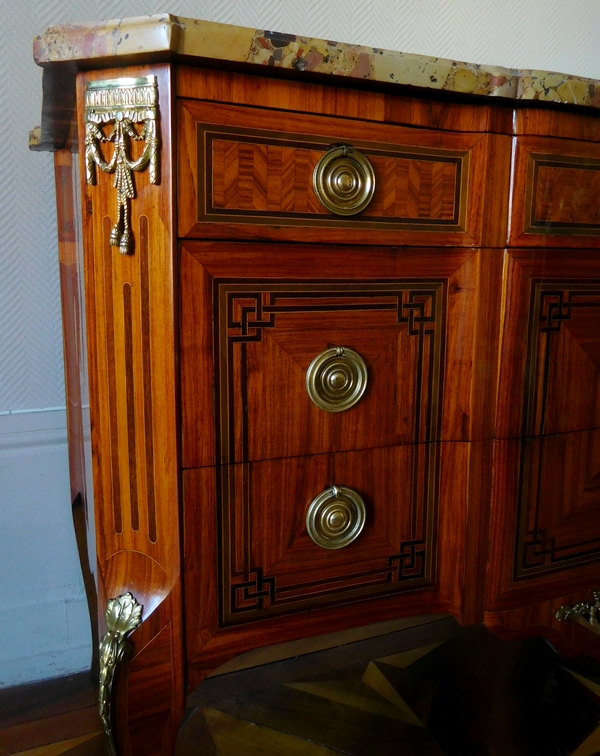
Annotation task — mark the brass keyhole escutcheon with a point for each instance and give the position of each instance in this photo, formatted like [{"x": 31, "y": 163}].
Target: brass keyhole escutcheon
[
  {"x": 336, "y": 517},
  {"x": 344, "y": 180},
  {"x": 336, "y": 379}
]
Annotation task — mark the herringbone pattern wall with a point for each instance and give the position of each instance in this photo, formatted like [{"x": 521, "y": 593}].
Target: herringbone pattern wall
[{"x": 548, "y": 34}]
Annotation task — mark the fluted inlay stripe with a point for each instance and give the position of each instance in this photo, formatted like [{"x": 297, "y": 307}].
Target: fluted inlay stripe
[
  {"x": 130, "y": 389},
  {"x": 112, "y": 377},
  {"x": 146, "y": 354}
]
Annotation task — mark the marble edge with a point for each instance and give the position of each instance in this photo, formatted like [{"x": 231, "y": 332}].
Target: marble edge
[{"x": 165, "y": 33}]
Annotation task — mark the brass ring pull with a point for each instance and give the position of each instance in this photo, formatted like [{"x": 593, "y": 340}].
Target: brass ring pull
[
  {"x": 336, "y": 379},
  {"x": 344, "y": 180},
  {"x": 336, "y": 517}
]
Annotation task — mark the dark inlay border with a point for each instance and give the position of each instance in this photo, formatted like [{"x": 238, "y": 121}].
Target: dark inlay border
[
  {"x": 130, "y": 391},
  {"x": 206, "y": 212},
  {"x": 144, "y": 255},
  {"x": 112, "y": 376}
]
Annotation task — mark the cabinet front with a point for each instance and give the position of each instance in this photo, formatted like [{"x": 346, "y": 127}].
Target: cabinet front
[{"x": 327, "y": 392}]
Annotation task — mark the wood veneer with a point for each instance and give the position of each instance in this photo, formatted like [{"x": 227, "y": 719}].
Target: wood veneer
[
  {"x": 555, "y": 193},
  {"x": 71, "y": 283},
  {"x": 476, "y": 445},
  {"x": 431, "y": 185},
  {"x": 404, "y": 302},
  {"x": 548, "y": 381},
  {"x": 131, "y": 327}
]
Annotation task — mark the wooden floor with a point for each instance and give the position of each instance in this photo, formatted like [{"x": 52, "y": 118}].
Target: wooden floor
[
  {"x": 468, "y": 695},
  {"x": 48, "y": 718}
]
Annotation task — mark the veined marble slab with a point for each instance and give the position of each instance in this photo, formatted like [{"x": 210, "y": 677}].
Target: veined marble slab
[{"x": 176, "y": 36}]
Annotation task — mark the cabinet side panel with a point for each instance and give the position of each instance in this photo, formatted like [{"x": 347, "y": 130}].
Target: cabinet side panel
[
  {"x": 69, "y": 239},
  {"x": 70, "y": 249},
  {"x": 132, "y": 335}
]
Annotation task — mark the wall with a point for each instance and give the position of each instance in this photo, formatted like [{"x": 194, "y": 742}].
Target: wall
[
  {"x": 44, "y": 622},
  {"x": 43, "y": 617}
]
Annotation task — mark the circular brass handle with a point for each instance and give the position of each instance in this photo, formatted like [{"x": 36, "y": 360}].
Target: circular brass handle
[
  {"x": 336, "y": 379},
  {"x": 344, "y": 180},
  {"x": 336, "y": 517}
]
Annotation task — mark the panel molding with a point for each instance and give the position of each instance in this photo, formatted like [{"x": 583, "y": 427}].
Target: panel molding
[
  {"x": 243, "y": 311},
  {"x": 553, "y": 305},
  {"x": 417, "y": 188}
]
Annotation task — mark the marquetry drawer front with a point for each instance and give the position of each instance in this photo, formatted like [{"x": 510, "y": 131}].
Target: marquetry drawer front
[
  {"x": 269, "y": 564},
  {"x": 550, "y": 363},
  {"x": 556, "y": 193},
  {"x": 546, "y": 496},
  {"x": 266, "y": 329},
  {"x": 545, "y": 517},
  {"x": 270, "y": 174}
]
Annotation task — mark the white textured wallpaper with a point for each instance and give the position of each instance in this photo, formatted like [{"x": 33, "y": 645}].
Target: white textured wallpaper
[{"x": 548, "y": 34}]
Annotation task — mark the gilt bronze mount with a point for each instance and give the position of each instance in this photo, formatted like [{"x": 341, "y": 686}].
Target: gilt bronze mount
[
  {"x": 124, "y": 103},
  {"x": 585, "y": 614},
  {"x": 123, "y": 614}
]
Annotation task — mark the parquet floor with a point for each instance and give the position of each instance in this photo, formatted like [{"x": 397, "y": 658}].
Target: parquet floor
[{"x": 469, "y": 695}]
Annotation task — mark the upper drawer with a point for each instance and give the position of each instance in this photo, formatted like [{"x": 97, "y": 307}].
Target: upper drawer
[
  {"x": 292, "y": 350},
  {"x": 248, "y": 173},
  {"x": 556, "y": 193}
]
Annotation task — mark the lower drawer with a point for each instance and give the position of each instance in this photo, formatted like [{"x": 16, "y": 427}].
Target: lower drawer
[
  {"x": 545, "y": 518},
  {"x": 250, "y": 562}
]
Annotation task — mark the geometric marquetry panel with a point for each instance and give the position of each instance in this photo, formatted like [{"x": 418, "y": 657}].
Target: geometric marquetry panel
[
  {"x": 545, "y": 516},
  {"x": 267, "y": 334},
  {"x": 270, "y": 566},
  {"x": 557, "y": 185},
  {"x": 266, "y": 176},
  {"x": 563, "y": 194},
  {"x": 562, "y": 374},
  {"x": 559, "y": 482},
  {"x": 558, "y": 524}
]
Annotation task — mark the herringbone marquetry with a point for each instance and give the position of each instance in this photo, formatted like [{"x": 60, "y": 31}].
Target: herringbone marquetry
[{"x": 275, "y": 179}]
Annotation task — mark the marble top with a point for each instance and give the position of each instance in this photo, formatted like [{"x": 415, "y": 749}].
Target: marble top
[
  {"x": 174, "y": 36},
  {"x": 65, "y": 49}
]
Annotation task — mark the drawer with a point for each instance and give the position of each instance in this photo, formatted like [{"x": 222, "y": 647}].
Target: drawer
[
  {"x": 550, "y": 364},
  {"x": 248, "y": 173},
  {"x": 269, "y": 565},
  {"x": 253, "y": 575},
  {"x": 273, "y": 330},
  {"x": 556, "y": 185},
  {"x": 545, "y": 518}
]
